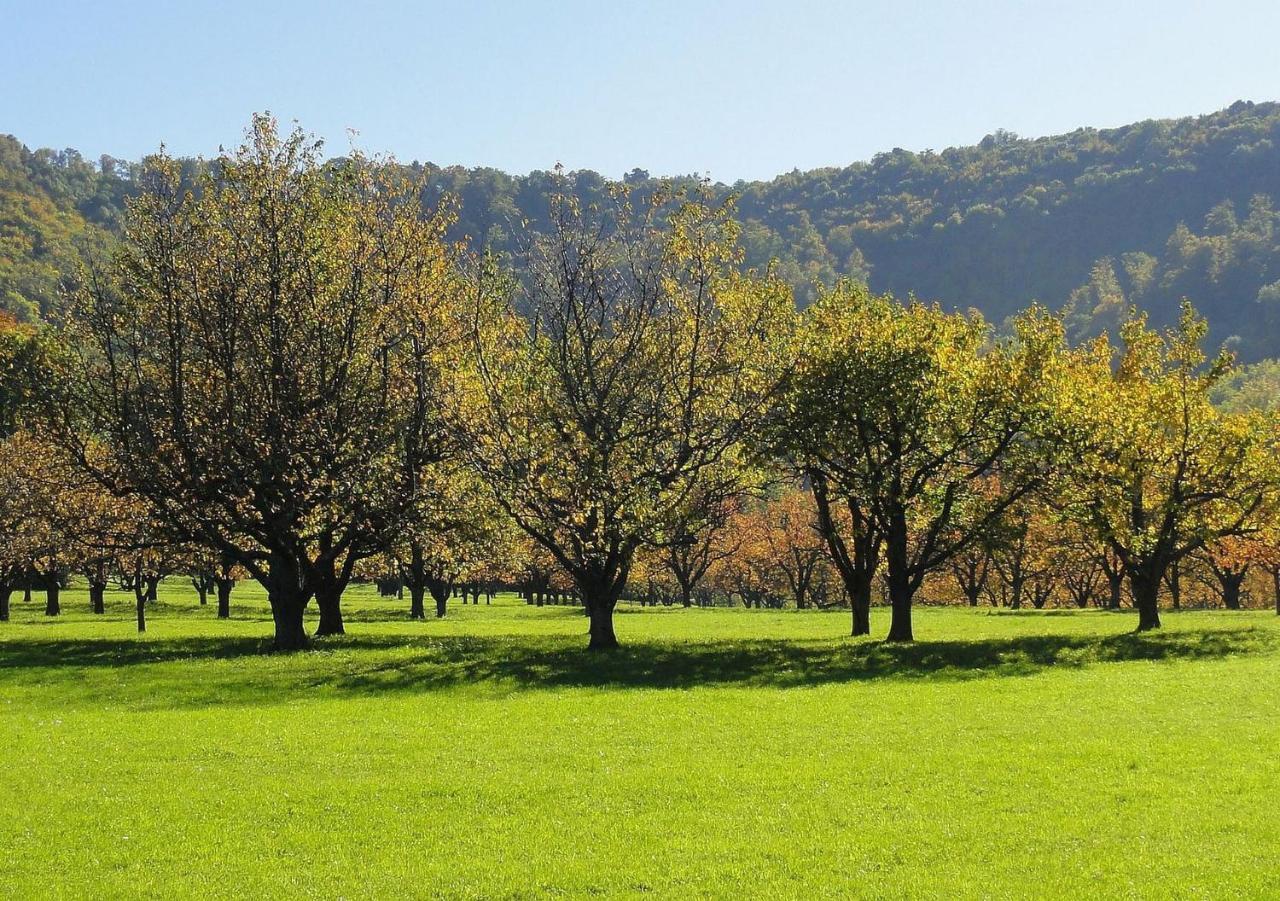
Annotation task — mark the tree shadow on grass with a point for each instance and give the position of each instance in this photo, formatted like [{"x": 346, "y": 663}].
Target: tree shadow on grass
[{"x": 371, "y": 665}]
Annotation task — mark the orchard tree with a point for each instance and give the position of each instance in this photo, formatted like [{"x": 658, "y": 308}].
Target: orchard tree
[
  {"x": 451, "y": 530},
  {"x": 264, "y": 361},
  {"x": 794, "y": 542},
  {"x": 1156, "y": 470},
  {"x": 20, "y": 514},
  {"x": 853, "y": 544},
  {"x": 907, "y": 412},
  {"x": 699, "y": 538},
  {"x": 619, "y": 378}
]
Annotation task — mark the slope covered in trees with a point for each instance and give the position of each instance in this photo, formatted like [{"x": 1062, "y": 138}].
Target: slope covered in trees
[{"x": 1094, "y": 220}]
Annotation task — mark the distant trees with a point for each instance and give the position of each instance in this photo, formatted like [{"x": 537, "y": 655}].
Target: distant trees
[
  {"x": 1155, "y": 470},
  {"x": 929, "y": 433},
  {"x": 262, "y": 361},
  {"x": 288, "y": 374},
  {"x": 618, "y": 378}
]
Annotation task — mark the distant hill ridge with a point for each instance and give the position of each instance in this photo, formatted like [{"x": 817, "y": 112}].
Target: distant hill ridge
[{"x": 1092, "y": 221}]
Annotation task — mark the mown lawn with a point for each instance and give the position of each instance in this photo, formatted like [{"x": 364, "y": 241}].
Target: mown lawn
[{"x": 721, "y": 753}]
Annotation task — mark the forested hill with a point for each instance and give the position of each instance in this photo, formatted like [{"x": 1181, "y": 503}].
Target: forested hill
[{"x": 1092, "y": 220}]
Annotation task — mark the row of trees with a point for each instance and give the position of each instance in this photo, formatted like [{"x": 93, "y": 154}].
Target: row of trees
[{"x": 291, "y": 368}]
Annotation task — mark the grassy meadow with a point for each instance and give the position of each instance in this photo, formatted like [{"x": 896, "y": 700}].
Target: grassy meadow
[{"x": 721, "y": 752}]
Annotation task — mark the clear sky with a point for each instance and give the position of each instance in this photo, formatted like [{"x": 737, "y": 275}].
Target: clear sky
[{"x": 731, "y": 89}]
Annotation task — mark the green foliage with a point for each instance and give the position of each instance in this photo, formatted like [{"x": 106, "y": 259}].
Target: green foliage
[
  {"x": 53, "y": 207},
  {"x": 1255, "y": 387},
  {"x": 1155, "y": 469},
  {"x": 992, "y": 226}
]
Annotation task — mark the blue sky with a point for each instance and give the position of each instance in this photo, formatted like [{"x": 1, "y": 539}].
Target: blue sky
[{"x": 734, "y": 90}]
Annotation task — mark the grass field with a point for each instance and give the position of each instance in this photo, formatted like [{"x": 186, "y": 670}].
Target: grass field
[{"x": 722, "y": 752}]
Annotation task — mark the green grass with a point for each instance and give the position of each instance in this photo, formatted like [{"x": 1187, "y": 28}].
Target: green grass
[{"x": 720, "y": 753}]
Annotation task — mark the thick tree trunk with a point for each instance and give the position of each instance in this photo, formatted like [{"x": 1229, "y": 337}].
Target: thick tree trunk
[
  {"x": 900, "y": 605},
  {"x": 416, "y": 579},
  {"x": 601, "y": 630},
  {"x": 153, "y": 586},
  {"x": 6, "y": 591},
  {"x": 97, "y": 597},
  {"x": 899, "y": 579},
  {"x": 288, "y": 601},
  {"x": 329, "y": 602},
  {"x": 329, "y": 580},
  {"x": 140, "y": 605},
  {"x": 1146, "y": 597},
  {"x": 861, "y": 610},
  {"x": 53, "y": 598},
  {"x": 440, "y": 594},
  {"x": 224, "y": 587},
  {"x": 417, "y": 594},
  {"x": 202, "y": 589},
  {"x": 1231, "y": 589}
]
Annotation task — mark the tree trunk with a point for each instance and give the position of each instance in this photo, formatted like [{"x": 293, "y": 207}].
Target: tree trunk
[
  {"x": 1146, "y": 597},
  {"x": 329, "y": 601},
  {"x": 6, "y": 591},
  {"x": 153, "y": 585},
  {"x": 1115, "y": 582},
  {"x": 1231, "y": 582},
  {"x": 857, "y": 570},
  {"x": 417, "y": 594},
  {"x": 1015, "y": 593},
  {"x": 202, "y": 589},
  {"x": 896, "y": 556},
  {"x": 860, "y": 606},
  {"x": 97, "y": 597},
  {"x": 141, "y": 606},
  {"x": 288, "y": 601},
  {"x": 328, "y": 581},
  {"x": 53, "y": 598},
  {"x": 224, "y": 597},
  {"x": 900, "y": 604},
  {"x": 601, "y": 630},
  {"x": 440, "y": 594}
]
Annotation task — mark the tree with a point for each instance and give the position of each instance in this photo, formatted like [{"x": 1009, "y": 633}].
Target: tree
[
  {"x": 971, "y": 570},
  {"x": 1024, "y": 545},
  {"x": 263, "y": 361},
  {"x": 908, "y": 412},
  {"x": 620, "y": 380},
  {"x": 752, "y": 571},
  {"x": 853, "y": 544},
  {"x": 795, "y": 542},
  {"x": 1156, "y": 471},
  {"x": 453, "y": 527},
  {"x": 698, "y": 539}
]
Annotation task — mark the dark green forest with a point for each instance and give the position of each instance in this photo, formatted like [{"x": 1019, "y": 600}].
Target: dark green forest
[{"x": 1089, "y": 222}]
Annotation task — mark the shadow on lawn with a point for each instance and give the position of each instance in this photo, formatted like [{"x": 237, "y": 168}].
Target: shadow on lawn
[{"x": 386, "y": 664}]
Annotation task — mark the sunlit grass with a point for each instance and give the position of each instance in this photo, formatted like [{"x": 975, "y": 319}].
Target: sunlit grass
[{"x": 722, "y": 752}]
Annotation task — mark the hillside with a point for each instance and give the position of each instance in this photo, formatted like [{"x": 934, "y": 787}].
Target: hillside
[{"x": 1092, "y": 221}]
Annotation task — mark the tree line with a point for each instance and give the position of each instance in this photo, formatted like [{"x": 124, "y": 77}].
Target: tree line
[
  {"x": 290, "y": 371},
  {"x": 1095, "y": 221}
]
